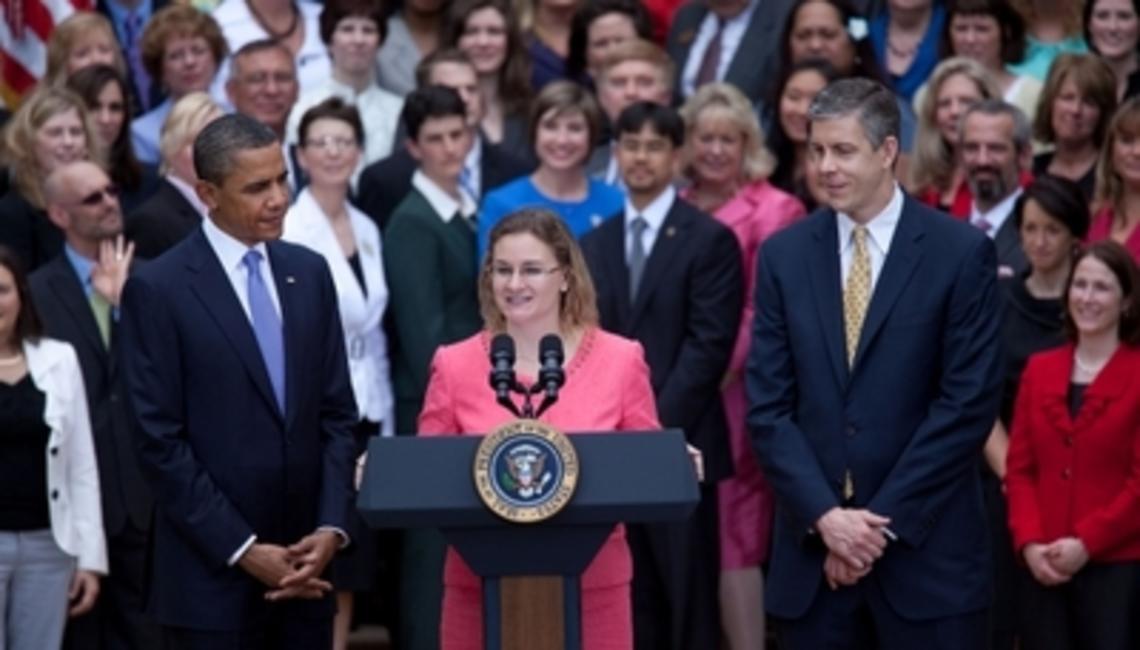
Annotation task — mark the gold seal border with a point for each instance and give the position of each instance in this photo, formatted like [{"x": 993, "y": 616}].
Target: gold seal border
[{"x": 560, "y": 494}]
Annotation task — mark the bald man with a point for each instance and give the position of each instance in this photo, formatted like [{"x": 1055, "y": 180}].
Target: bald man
[{"x": 77, "y": 296}]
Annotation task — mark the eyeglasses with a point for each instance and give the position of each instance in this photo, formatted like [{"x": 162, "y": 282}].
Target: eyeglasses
[
  {"x": 528, "y": 273},
  {"x": 259, "y": 79},
  {"x": 95, "y": 198},
  {"x": 331, "y": 143}
]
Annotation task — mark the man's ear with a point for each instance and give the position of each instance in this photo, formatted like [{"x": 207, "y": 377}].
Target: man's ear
[
  {"x": 891, "y": 148},
  {"x": 413, "y": 149},
  {"x": 207, "y": 193}
]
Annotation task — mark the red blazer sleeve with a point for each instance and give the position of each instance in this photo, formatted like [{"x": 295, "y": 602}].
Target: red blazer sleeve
[
  {"x": 1021, "y": 467},
  {"x": 438, "y": 414}
]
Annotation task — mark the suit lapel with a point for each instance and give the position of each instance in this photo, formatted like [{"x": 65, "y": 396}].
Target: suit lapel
[
  {"x": 285, "y": 279},
  {"x": 212, "y": 287},
  {"x": 757, "y": 36},
  {"x": 902, "y": 259},
  {"x": 824, "y": 276},
  {"x": 65, "y": 284},
  {"x": 611, "y": 236},
  {"x": 665, "y": 248}
]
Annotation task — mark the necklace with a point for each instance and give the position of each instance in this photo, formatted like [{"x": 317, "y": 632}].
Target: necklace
[
  {"x": 14, "y": 360},
  {"x": 1086, "y": 369},
  {"x": 902, "y": 52},
  {"x": 275, "y": 35}
]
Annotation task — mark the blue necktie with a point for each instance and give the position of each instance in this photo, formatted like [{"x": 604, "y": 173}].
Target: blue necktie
[{"x": 266, "y": 326}]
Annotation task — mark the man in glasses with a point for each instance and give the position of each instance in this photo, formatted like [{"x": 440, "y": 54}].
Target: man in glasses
[
  {"x": 77, "y": 296},
  {"x": 263, "y": 85}
]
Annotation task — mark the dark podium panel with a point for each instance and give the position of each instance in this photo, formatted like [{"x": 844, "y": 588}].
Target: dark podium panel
[{"x": 631, "y": 477}]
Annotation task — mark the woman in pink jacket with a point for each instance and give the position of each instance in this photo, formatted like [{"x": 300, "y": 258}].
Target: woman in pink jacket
[{"x": 728, "y": 168}]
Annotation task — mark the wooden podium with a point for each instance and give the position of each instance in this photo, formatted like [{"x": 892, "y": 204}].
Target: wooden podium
[{"x": 530, "y": 572}]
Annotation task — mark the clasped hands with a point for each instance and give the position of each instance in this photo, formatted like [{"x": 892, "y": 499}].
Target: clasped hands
[
  {"x": 293, "y": 571},
  {"x": 1057, "y": 562},
  {"x": 855, "y": 538}
]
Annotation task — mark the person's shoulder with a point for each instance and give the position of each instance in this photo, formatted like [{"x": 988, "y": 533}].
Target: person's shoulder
[
  {"x": 45, "y": 353},
  {"x": 464, "y": 354},
  {"x": 1049, "y": 362},
  {"x": 613, "y": 347},
  {"x": 513, "y": 189},
  {"x": 947, "y": 233}
]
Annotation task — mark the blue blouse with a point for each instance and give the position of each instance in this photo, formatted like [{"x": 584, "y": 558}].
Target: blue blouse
[
  {"x": 925, "y": 59},
  {"x": 602, "y": 202}
]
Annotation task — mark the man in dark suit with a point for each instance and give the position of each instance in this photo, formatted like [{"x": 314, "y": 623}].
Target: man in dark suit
[
  {"x": 873, "y": 381},
  {"x": 670, "y": 277},
  {"x": 735, "y": 41},
  {"x": 75, "y": 294},
  {"x": 994, "y": 138},
  {"x": 384, "y": 183},
  {"x": 237, "y": 379}
]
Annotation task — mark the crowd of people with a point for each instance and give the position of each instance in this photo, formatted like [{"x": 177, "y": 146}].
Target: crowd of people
[{"x": 876, "y": 259}]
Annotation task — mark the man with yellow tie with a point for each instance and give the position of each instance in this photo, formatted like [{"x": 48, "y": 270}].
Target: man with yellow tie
[{"x": 873, "y": 380}]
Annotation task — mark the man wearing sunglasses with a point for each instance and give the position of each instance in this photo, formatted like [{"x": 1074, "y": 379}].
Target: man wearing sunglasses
[{"x": 77, "y": 297}]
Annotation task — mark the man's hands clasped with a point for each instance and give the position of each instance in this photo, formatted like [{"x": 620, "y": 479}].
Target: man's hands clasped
[
  {"x": 293, "y": 571},
  {"x": 855, "y": 539}
]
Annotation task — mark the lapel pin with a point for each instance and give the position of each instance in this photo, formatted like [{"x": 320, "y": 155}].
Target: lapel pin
[
  {"x": 290, "y": 280},
  {"x": 670, "y": 231}
]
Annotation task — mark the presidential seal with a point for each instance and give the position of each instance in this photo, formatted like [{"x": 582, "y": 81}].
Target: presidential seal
[{"x": 526, "y": 471}]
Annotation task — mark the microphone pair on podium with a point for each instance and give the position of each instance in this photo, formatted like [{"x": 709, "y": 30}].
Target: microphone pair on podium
[{"x": 551, "y": 377}]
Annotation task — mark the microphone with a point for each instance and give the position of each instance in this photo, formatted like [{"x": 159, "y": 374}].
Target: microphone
[
  {"x": 550, "y": 374},
  {"x": 502, "y": 367}
]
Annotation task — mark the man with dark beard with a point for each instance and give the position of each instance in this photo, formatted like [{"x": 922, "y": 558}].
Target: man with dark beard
[{"x": 994, "y": 137}]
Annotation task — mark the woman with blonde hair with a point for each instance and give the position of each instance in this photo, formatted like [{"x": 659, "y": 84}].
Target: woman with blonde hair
[
  {"x": 51, "y": 128},
  {"x": 83, "y": 39},
  {"x": 174, "y": 210},
  {"x": 936, "y": 174},
  {"x": 728, "y": 167},
  {"x": 1072, "y": 115},
  {"x": 1117, "y": 206}
]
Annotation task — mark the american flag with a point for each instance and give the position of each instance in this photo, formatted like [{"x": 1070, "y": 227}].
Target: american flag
[{"x": 25, "y": 26}]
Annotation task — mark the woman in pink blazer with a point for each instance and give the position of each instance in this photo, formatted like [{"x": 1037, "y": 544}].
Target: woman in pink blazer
[
  {"x": 534, "y": 282},
  {"x": 728, "y": 167}
]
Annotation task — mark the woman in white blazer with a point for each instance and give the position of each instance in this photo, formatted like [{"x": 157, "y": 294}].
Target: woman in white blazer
[
  {"x": 331, "y": 138},
  {"x": 52, "y": 548}
]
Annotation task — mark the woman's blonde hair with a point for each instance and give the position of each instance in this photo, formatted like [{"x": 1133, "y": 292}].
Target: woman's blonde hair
[
  {"x": 579, "y": 302},
  {"x": 1109, "y": 185},
  {"x": 75, "y": 28},
  {"x": 727, "y": 102},
  {"x": 187, "y": 117},
  {"x": 933, "y": 162},
  {"x": 19, "y": 144}
]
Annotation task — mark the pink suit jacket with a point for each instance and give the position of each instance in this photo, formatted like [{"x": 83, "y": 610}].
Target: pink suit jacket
[{"x": 607, "y": 388}]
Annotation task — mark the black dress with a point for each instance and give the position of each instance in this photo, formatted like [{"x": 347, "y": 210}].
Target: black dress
[
  {"x": 23, "y": 471},
  {"x": 1029, "y": 325},
  {"x": 1087, "y": 183}
]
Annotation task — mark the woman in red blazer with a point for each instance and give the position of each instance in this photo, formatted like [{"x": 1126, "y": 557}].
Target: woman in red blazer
[
  {"x": 534, "y": 282},
  {"x": 1073, "y": 473}
]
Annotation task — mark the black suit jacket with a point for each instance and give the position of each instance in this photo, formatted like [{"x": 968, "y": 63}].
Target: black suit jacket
[
  {"x": 686, "y": 317},
  {"x": 1010, "y": 254},
  {"x": 385, "y": 183},
  {"x": 66, "y": 315},
  {"x": 27, "y": 230},
  {"x": 753, "y": 68},
  {"x": 225, "y": 463},
  {"x": 162, "y": 221}
]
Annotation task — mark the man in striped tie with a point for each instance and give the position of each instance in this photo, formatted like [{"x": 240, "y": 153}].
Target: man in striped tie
[
  {"x": 874, "y": 379},
  {"x": 236, "y": 374}
]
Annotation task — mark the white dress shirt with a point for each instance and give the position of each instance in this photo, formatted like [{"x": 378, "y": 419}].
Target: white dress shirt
[
  {"x": 443, "y": 203},
  {"x": 880, "y": 232},
  {"x": 230, "y": 253},
  {"x": 996, "y": 215},
  {"x": 654, "y": 215},
  {"x": 730, "y": 40}
]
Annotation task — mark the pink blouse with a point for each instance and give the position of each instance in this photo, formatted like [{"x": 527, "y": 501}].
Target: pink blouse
[{"x": 607, "y": 388}]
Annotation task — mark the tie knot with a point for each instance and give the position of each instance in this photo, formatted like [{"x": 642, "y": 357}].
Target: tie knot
[
  {"x": 252, "y": 260},
  {"x": 859, "y": 235},
  {"x": 638, "y": 225}
]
